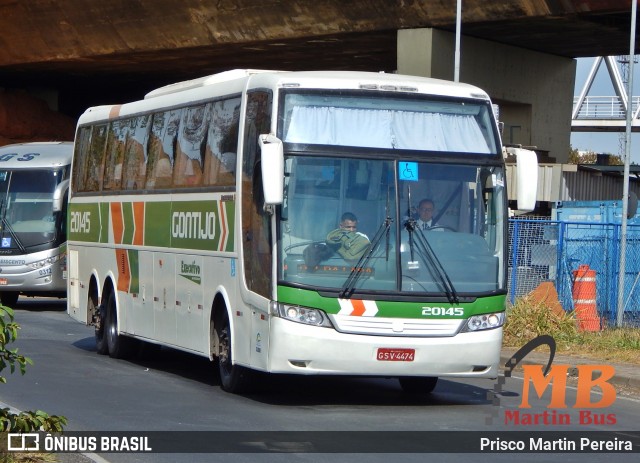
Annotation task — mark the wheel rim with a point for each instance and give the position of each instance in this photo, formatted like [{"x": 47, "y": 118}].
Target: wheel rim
[
  {"x": 112, "y": 325},
  {"x": 224, "y": 341}
]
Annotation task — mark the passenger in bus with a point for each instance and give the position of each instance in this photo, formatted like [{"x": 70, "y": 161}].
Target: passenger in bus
[{"x": 346, "y": 240}]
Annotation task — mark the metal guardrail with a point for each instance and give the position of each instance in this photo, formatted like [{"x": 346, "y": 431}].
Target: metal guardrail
[{"x": 604, "y": 107}]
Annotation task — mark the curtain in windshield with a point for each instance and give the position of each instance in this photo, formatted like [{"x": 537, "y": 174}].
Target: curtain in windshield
[{"x": 386, "y": 129}]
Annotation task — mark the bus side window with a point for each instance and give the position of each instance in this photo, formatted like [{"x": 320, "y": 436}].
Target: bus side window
[
  {"x": 222, "y": 143},
  {"x": 116, "y": 141},
  {"x": 162, "y": 145},
  {"x": 189, "y": 156},
  {"x": 135, "y": 162},
  {"x": 256, "y": 237},
  {"x": 81, "y": 152},
  {"x": 94, "y": 158}
]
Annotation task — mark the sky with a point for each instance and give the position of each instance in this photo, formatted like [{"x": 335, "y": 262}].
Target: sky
[{"x": 602, "y": 86}]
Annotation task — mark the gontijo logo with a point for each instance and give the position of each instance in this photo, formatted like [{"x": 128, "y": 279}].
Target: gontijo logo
[{"x": 191, "y": 225}]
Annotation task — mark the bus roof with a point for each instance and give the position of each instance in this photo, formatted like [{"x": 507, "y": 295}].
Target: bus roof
[
  {"x": 235, "y": 81},
  {"x": 36, "y": 155}
]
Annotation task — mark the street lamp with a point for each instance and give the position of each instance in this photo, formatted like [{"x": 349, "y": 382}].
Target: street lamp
[
  {"x": 456, "y": 65},
  {"x": 627, "y": 161}
]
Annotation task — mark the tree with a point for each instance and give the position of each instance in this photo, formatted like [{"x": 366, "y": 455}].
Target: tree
[
  {"x": 24, "y": 421},
  {"x": 591, "y": 157},
  {"x": 576, "y": 157}
]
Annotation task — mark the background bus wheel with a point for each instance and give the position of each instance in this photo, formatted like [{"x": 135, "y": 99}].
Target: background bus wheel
[
  {"x": 119, "y": 346},
  {"x": 100, "y": 323},
  {"x": 233, "y": 378},
  {"x": 9, "y": 298},
  {"x": 418, "y": 384}
]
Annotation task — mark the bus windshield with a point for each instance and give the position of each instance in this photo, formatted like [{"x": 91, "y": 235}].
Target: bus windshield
[
  {"x": 412, "y": 227},
  {"x": 26, "y": 208}
]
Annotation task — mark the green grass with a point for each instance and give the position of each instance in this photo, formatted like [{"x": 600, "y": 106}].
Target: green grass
[
  {"x": 24, "y": 457},
  {"x": 528, "y": 319}
]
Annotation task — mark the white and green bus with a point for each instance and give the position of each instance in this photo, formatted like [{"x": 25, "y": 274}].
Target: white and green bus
[
  {"x": 199, "y": 219},
  {"x": 33, "y": 210}
]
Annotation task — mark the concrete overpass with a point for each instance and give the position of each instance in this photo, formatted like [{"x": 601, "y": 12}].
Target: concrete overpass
[{"x": 77, "y": 53}]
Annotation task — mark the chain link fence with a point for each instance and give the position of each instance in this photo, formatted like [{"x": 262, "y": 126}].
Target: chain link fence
[{"x": 543, "y": 250}]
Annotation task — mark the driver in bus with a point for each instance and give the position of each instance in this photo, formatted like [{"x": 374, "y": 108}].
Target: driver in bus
[
  {"x": 346, "y": 240},
  {"x": 425, "y": 220}
]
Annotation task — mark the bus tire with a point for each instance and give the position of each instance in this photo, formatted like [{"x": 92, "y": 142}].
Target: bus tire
[
  {"x": 101, "y": 340},
  {"x": 233, "y": 378},
  {"x": 119, "y": 346},
  {"x": 418, "y": 384},
  {"x": 9, "y": 298}
]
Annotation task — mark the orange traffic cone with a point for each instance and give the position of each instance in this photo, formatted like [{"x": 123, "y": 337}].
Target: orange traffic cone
[{"x": 584, "y": 298}]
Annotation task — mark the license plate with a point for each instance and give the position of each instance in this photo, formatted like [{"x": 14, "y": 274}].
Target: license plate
[
  {"x": 390, "y": 354},
  {"x": 3, "y": 281}
]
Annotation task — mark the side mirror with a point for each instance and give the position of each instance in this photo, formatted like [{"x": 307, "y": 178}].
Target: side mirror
[
  {"x": 526, "y": 178},
  {"x": 59, "y": 194},
  {"x": 272, "y": 165}
]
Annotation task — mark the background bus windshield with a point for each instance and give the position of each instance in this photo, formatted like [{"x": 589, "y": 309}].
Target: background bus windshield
[{"x": 26, "y": 207}]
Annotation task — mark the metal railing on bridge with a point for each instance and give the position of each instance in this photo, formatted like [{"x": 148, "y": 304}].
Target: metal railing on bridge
[{"x": 604, "y": 108}]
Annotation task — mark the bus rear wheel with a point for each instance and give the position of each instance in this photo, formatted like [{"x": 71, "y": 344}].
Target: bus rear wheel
[
  {"x": 233, "y": 378},
  {"x": 119, "y": 346},
  {"x": 418, "y": 384},
  {"x": 100, "y": 322},
  {"x": 9, "y": 298}
]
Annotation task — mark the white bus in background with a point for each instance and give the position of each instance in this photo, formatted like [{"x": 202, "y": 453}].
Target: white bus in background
[
  {"x": 33, "y": 204},
  {"x": 199, "y": 219}
]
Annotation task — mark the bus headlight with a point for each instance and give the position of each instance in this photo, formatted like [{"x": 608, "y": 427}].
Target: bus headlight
[
  {"x": 44, "y": 262},
  {"x": 300, "y": 314},
  {"x": 487, "y": 321}
]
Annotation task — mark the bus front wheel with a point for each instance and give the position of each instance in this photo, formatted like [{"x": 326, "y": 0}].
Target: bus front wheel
[
  {"x": 418, "y": 384},
  {"x": 233, "y": 378}
]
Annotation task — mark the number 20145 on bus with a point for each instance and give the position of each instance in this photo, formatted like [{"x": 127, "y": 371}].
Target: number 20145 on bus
[{"x": 80, "y": 222}]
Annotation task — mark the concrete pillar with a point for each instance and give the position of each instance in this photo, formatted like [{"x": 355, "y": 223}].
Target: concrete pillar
[{"x": 534, "y": 90}]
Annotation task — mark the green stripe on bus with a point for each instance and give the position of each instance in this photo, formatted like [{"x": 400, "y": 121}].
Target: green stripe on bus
[
  {"x": 104, "y": 223},
  {"x": 200, "y": 225},
  {"x": 127, "y": 219},
  {"x": 134, "y": 268},
  {"x": 230, "y": 208},
  {"x": 389, "y": 309}
]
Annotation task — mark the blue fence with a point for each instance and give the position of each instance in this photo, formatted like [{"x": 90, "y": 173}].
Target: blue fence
[{"x": 546, "y": 250}]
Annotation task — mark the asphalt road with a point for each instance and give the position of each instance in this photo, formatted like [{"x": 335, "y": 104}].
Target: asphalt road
[{"x": 173, "y": 391}]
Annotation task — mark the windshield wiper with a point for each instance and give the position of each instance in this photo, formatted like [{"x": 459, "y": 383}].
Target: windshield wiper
[
  {"x": 350, "y": 283},
  {"x": 421, "y": 244}
]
